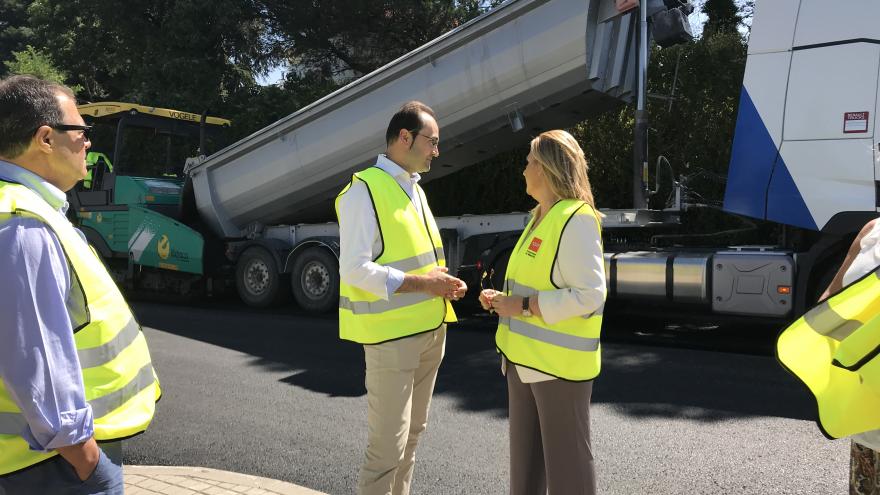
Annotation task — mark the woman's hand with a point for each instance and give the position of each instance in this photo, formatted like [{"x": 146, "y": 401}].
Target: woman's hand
[
  {"x": 507, "y": 306},
  {"x": 486, "y": 298}
]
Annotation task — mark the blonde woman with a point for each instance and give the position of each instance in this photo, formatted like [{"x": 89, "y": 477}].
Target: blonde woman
[{"x": 550, "y": 316}]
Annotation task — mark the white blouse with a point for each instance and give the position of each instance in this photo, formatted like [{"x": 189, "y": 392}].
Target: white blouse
[
  {"x": 868, "y": 258},
  {"x": 580, "y": 271},
  {"x": 865, "y": 262}
]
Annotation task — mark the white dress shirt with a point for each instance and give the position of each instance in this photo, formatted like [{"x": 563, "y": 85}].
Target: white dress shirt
[
  {"x": 580, "y": 271},
  {"x": 359, "y": 239}
]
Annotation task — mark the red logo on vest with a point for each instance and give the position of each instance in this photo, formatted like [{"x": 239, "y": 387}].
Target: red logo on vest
[{"x": 534, "y": 247}]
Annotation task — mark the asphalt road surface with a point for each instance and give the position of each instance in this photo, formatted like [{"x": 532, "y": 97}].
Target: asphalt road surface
[{"x": 277, "y": 394}]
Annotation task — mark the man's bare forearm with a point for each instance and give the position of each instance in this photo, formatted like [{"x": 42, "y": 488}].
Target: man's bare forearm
[
  {"x": 436, "y": 283},
  {"x": 413, "y": 283},
  {"x": 83, "y": 457}
]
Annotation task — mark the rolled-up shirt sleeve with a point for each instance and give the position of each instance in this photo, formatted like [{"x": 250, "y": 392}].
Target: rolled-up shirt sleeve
[
  {"x": 358, "y": 234},
  {"x": 579, "y": 271},
  {"x": 39, "y": 365}
]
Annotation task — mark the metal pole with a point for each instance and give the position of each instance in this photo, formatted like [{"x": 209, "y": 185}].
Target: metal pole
[
  {"x": 640, "y": 141},
  {"x": 117, "y": 144},
  {"x": 202, "y": 123}
]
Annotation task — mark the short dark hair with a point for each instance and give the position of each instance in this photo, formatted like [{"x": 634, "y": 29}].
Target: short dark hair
[
  {"x": 409, "y": 117},
  {"x": 26, "y": 103}
]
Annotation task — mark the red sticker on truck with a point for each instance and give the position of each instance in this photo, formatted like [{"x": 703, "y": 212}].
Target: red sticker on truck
[{"x": 854, "y": 122}]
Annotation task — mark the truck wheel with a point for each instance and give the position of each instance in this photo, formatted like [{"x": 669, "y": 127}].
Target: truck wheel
[
  {"x": 257, "y": 278},
  {"x": 315, "y": 280}
]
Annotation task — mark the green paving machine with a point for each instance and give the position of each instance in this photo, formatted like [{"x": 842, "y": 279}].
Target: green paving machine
[{"x": 130, "y": 206}]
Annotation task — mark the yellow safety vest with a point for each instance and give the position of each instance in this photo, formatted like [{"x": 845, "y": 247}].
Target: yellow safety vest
[
  {"x": 834, "y": 350},
  {"x": 118, "y": 377},
  {"x": 410, "y": 243},
  {"x": 568, "y": 349}
]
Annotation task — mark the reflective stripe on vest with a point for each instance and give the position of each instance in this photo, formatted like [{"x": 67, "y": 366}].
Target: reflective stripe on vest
[
  {"x": 568, "y": 349},
  {"x": 833, "y": 349},
  {"x": 13, "y": 423},
  {"x": 410, "y": 243},
  {"x": 418, "y": 261},
  {"x": 96, "y": 356},
  {"x": 519, "y": 289},
  {"x": 120, "y": 384},
  {"x": 542, "y": 334},
  {"x": 382, "y": 306}
]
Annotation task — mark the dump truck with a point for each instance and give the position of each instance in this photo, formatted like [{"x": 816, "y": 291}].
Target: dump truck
[
  {"x": 803, "y": 158},
  {"x": 248, "y": 211}
]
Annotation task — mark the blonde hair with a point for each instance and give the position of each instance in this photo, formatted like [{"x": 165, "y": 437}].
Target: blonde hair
[{"x": 564, "y": 165}]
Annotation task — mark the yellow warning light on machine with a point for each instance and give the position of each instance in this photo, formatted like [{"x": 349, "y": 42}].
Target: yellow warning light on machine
[{"x": 783, "y": 289}]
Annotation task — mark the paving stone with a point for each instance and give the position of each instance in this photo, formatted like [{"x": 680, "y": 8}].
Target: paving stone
[
  {"x": 194, "y": 484},
  {"x": 177, "y": 490},
  {"x": 216, "y": 490}
]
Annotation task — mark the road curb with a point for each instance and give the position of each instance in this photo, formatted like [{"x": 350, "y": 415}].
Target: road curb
[{"x": 146, "y": 480}]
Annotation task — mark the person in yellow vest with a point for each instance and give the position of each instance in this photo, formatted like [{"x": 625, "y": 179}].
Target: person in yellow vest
[
  {"x": 862, "y": 258},
  {"x": 74, "y": 366},
  {"x": 394, "y": 295},
  {"x": 550, "y": 316}
]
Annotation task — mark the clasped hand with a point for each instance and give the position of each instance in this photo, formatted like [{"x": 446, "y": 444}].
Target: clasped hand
[
  {"x": 497, "y": 302},
  {"x": 444, "y": 285}
]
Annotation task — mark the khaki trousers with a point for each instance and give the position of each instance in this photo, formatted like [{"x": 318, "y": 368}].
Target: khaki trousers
[
  {"x": 400, "y": 380},
  {"x": 550, "y": 449}
]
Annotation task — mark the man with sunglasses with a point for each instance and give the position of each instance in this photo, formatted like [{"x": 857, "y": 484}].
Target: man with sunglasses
[
  {"x": 74, "y": 365},
  {"x": 394, "y": 295}
]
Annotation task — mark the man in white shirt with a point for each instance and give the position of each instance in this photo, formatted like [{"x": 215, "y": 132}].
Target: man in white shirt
[{"x": 393, "y": 303}]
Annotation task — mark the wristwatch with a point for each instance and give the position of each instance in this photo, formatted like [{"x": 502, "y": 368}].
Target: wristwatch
[{"x": 525, "y": 307}]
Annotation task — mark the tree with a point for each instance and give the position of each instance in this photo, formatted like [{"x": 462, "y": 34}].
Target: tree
[
  {"x": 206, "y": 54},
  {"x": 347, "y": 39},
  {"x": 15, "y": 33},
  {"x": 694, "y": 132},
  {"x": 36, "y": 63},
  {"x": 724, "y": 17},
  {"x": 189, "y": 55}
]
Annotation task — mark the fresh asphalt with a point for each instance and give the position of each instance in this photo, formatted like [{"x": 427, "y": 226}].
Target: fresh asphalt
[{"x": 275, "y": 393}]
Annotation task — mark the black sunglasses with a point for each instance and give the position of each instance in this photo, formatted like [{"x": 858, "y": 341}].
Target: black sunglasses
[{"x": 86, "y": 129}]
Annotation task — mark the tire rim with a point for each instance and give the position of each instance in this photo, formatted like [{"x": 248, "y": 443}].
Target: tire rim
[
  {"x": 256, "y": 277},
  {"x": 315, "y": 280}
]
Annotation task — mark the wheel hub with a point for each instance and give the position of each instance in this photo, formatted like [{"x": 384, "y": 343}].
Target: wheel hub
[
  {"x": 315, "y": 280},
  {"x": 257, "y": 277}
]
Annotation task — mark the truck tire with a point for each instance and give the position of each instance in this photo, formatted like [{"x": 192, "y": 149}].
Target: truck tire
[
  {"x": 257, "y": 278},
  {"x": 315, "y": 280}
]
